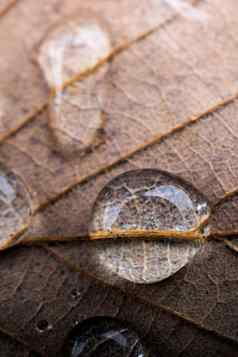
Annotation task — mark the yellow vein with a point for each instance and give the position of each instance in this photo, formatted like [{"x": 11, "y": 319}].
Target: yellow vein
[
  {"x": 153, "y": 141},
  {"x": 227, "y": 196},
  {"x": 22, "y": 122},
  {"x": 82, "y": 75},
  {"x": 7, "y": 8}
]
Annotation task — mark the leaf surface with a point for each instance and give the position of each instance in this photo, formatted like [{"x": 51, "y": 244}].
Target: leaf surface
[{"x": 170, "y": 102}]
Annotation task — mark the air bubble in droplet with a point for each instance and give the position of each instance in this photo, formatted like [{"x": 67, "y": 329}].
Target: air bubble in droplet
[
  {"x": 145, "y": 204},
  {"x": 15, "y": 207},
  {"x": 104, "y": 336}
]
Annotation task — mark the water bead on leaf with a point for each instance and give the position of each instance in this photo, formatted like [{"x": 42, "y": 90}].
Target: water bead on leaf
[
  {"x": 144, "y": 204},
  {"x": 104, "y": 336},
  {"x": 15, "y": 207},
  {"x": 71, "y": 50},
  {"x": 148, "y": 202},
  {"x": 76, "y": 118}
]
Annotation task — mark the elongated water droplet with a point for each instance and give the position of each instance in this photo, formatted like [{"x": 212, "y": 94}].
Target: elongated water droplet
[
  {"x": 14, "y": 207},
  {"x": 104, "y": 336},
  {"x": 148, "y": 204},
  {"x": 70, "y": 50},
  {"x": 73, "y": 48},
  {"x": 76, "y": 118}
]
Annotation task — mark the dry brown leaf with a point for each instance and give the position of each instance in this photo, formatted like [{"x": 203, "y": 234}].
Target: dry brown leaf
[
  {"x": 159, "y": 114},
  {"x": 12, "y": 348},
  {"x": 35, "y": 287},
  {"x": 215, "y": 268},
  {"x": 23, "y": 89},
  {"x": 170, "y": 103}
]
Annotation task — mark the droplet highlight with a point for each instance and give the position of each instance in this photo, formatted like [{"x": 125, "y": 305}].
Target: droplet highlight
[
  {"x": 188, "y": 10},
  {"x": 70, "y": 51},
  {"x": 142, "y": 205},
  {"x": 15, "y": 208},
  {"x": 104, "y": 336}
]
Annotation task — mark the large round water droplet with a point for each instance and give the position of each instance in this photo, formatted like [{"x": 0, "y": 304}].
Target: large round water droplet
[
  {"x": 145, "y": 204},
  {"x": 103, "y": 336},
  {"x": 14, "y": 207}
]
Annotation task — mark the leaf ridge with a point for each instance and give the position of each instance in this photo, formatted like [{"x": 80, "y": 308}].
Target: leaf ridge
[{"x": 155, "y": 140}]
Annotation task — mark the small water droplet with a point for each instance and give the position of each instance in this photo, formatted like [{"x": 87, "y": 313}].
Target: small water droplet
[
  {"x": 104, "y": 336},
  {"x": 75, "y": 294},
  {"x": 76, "y": 118},
  {"x": 15, "y": 209},
  {"x": 70, "y": 50},
  {"x": 43, "y": 326},
  {"x": 147, "y": 203}
]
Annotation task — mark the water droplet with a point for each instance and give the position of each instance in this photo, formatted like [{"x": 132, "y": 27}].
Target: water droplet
[
  {"x": 43, "y": 325},
  {"x": 104, "y": 336},
  {"x": 70, "y": 50},
  {"x": 76, "y": 118},
  {"x": 145, "y": 204},
  {"x": 76, "y": 294},
  {"x": 73, "y": 48},
  {"x": 15, "y": 207}
]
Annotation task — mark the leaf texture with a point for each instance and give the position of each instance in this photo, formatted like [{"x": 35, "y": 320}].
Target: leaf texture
[
  {"x": 170, "y": 102},
  {"x": 35, "y": 282},
  {"x": 20, "y": 48}
]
